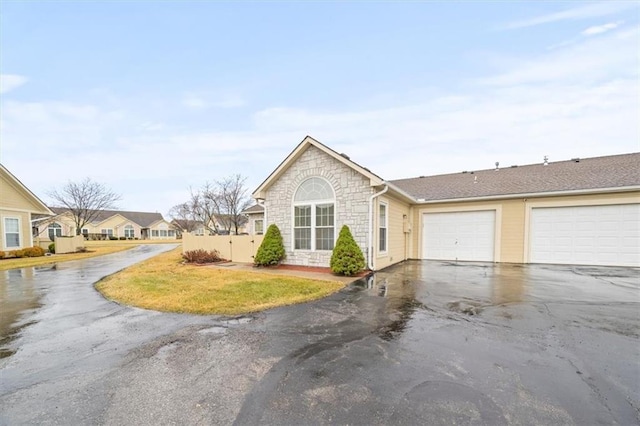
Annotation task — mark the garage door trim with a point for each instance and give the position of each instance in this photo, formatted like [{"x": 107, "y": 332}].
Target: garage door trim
[
  {"x": 497, "y": 208},
  {"x": 530, "y": 205}
]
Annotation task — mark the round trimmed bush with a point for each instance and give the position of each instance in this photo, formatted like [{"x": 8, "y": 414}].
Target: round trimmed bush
[
  {"x": 52, "y": 248},
  {"x": 271, "y": 251},
  {"x": 347, "y": 258}
]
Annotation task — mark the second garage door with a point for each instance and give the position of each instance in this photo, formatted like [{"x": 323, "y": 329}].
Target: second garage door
[
  {"x": 586, "y": 235},
  {"x": 459, "y": 236}
]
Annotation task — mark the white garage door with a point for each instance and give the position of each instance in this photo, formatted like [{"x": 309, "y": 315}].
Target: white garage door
[
  {"x": 590, "y": 235},
  {"x": 459, "y": 235}
]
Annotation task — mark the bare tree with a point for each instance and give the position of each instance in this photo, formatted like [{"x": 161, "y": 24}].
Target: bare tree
[
  {"x": 206, "y": 205},
  {"x": 219, "y": 205},
  {"x": 235, "y": 199},
  {"x": 184, "y": 217},
  {"x": 85, "y": 200}
]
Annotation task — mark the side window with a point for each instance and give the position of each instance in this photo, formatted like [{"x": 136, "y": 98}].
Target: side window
[
  {"x": 12, "y": 232},
  {"x": 383, "y": 223}
]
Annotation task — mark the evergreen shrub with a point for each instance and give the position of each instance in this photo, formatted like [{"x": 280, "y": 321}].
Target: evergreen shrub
[
  {"x": 347, "y": 258},
  {"x": 271, "y": 251}
]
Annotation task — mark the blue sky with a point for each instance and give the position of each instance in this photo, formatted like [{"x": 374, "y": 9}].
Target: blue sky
[{"x": 151, "y": 98}]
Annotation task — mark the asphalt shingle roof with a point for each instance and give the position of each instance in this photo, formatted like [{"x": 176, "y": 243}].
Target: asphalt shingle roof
[
  {"x": 144, "y": 219},
  {"x": 613, "y": 171},
  {"x": 256, "y": 208}
]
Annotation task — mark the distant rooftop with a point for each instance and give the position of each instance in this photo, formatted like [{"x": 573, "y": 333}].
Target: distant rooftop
[{"x": 144, "y": 219}]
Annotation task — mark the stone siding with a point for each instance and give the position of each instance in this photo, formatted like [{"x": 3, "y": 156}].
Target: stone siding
[{"x": 352, "y": 191}]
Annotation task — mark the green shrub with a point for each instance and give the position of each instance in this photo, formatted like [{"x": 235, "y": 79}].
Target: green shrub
[
  {"x": 112, "y": 238},
  {"x": 52, "y": 248},
  {"x": 271, "y": 251},
  {"x": 347, "y": 258},
  {"x": 34, "y": 251},
  {"x": 202, "y": 256},
  {"x": 123, "y": 238}
]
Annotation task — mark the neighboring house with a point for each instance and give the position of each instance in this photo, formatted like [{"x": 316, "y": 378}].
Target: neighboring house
[
  {"x": 17, "y": 205},
  {"x": 222, "y": 223},
  {"x": 186, "y": 225},
  {"x": 581, "y": 211},
  {"x": 108, "y": 223},
  {"x": 255, "y": 219}
]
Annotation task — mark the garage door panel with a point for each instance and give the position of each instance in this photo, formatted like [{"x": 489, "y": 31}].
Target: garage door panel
[
  {"x": 459, "y": 236},
  {"x": 594, "y": 235}
]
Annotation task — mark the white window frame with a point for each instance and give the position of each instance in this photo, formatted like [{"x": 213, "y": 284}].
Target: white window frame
[
  {"x": 4, "y": 232},
  {"x": 155, "y": 233},
  {"x": 313, "y": 204},
  {"x": 385, "y": 226},
  {"x": 107, "y": 231},
  {"x": 131, "y": 229},
  {"x": 255, "y": 226},
  {"x": 58, "y": 230}
]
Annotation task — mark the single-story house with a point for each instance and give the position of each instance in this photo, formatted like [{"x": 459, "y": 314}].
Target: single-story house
[
  {"x": 17, "y": 205},
  {"x": 255, "y": 219},
  {"x": 222, "y": 223},
  {"x": 579, "y": 211},
  {"x": 108, "y": 223}
]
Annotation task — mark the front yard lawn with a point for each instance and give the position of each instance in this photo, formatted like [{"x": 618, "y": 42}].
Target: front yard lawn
[
  {"x": 93, "y": 250},
  {"x": 164, "y": 283}
]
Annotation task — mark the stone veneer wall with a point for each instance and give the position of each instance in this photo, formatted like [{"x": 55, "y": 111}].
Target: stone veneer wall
[{"x": 352, "y": 191}]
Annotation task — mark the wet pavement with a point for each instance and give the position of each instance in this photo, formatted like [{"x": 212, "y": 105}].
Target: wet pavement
[{"x": 419, "y": 343}]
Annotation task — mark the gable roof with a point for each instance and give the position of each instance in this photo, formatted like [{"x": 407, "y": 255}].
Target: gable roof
[
  {"x": 41, "y": 208},
  {"x": 598, "y": 173},
  {"x": 254, "y": 209},
  {"x": 308, "y": 141},
  {"x": 143, "y": 219}
]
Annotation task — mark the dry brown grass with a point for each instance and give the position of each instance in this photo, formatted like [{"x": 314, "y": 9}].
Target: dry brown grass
[
  {"x": 93, "y": 251},
  {"x": 163, "y": 283}
]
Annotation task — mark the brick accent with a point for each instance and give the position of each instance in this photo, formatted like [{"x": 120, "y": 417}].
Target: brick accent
[{"x": 352, "y": 191}]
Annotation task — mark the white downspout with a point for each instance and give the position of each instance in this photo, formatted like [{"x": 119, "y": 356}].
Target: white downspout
[{"x": 370, "y": 243}]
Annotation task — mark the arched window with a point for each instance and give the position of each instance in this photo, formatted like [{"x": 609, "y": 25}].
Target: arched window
[
  {"x": 129, "y": 232},
  {"x": 314, "y": 215},
  {"x": 55, "y": 230}
]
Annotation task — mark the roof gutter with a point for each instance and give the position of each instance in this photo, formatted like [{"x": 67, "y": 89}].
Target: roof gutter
[
  {"x": 420, "y": 201},
  {"x": 370, "y": 236}
]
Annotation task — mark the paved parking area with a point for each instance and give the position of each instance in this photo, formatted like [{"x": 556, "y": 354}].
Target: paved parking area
[{"x": 419, "y": 343}]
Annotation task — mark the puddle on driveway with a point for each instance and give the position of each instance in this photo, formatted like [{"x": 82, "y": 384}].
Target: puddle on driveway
[
  {"x": 462, "y": 291},
  {"x": 19, "y": 298}
]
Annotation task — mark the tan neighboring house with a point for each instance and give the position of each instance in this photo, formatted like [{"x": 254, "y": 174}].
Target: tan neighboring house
[
  {"x": 579, "y": 211},
  {"x": 17, "y": 205},
  {"x": 255, "y": 219},
  {"x": 108, "y": 223}
]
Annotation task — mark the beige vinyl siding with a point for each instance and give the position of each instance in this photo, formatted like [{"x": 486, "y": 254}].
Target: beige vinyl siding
[
  {"x": 512, "y": 219},
  {"x": 512, "y": 236},
  {"x": 14, "y": 198},
  {"x": 397, "y": 240}
]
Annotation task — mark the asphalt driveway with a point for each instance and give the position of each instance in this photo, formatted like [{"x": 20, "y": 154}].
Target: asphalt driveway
[{"x": 420, "y": 343}]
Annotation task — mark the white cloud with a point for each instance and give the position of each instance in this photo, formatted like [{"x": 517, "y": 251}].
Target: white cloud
[
  {"x": 579, "y": 101},
  {"x": 209, "y": 100},
  {"x": 600, "y": 29},
  {"x": 9, "y": 82},
  {"x": 588, "y": 61},
  {"x": 195, "y": 102},
  {"x": 591, "y": 10}
]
